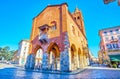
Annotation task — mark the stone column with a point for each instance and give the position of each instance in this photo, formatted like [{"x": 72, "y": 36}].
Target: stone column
[
  {"x": 84, "y": 61},
  {"x": 45, "y": 61},
  {"x": 80, "y": 62},
  {"x": 81, "y": 58},
  {"x": 30, "y": 63},
  {"x": 64, "y": 60},
  {"x": 58, "y": 63},
  {"x": 70, "y": 62},
  {"x": 77, "y": 60},
  {"x": 64, "y": 55}
]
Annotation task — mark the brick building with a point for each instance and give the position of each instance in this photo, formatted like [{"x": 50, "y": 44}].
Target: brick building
[
  {"x": 110, "y": 43},
  {"x": 58, "y": 40},
  {"x": 22, "y": 52}
]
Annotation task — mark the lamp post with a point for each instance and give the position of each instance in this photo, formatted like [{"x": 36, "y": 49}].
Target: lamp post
[{"x": 110, "y": 1}]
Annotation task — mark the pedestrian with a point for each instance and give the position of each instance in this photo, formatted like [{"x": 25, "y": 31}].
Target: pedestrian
[{"x": 119, "y": 65}]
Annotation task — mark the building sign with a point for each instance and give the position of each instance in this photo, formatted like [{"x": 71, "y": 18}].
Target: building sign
[{"x": 113, "y": 46}]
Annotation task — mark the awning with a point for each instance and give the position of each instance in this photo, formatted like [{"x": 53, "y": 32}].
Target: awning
[{"x": 114, "y": 57}]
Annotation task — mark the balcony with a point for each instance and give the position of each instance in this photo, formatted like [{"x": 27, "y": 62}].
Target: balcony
[{"x": 43, "y": 38}]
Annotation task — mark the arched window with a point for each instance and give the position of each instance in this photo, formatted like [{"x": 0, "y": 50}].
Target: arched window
[
  {"x": 73, "y": 30},
  {"x": 111, "y": 32},
  {"x": 75, "y": 18},
  {"x": 106, "y": 39},
  {"x": 105, "y": 33},
  {"x": 112, "y": 38},
  {"x": 117, "y": 31},
  {"x": 39, "y": 56},
  {"x": 54, "y": 25},
  {"x": 78, "y": 17},
  {"x": 118, "y": 37}
]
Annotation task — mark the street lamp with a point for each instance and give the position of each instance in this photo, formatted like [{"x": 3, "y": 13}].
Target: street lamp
[{"x": 110, "y": 1}]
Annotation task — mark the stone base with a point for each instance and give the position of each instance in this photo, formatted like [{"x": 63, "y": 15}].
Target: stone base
[
  {"x": 30, "y": 63},
  {"x": 45, "y": 62},
  {"x": 64, "y": 61}
]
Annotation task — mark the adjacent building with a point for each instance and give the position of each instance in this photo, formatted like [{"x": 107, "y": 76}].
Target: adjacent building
[
  {"x": 92, "y": 58},
  {"x": 100, "y": 57},
  {"x": 110, "y": 44},
  {"x": 58, "y": 40},
  {"x": 22, "y": 53},
  {"x": 15, "y": 59}
]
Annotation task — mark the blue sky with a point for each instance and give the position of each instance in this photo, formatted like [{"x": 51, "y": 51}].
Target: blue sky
[{"x": 16, "y": 19}]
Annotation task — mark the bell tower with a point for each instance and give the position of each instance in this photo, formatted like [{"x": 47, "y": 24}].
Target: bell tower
[{"x": 77, "y": 15}]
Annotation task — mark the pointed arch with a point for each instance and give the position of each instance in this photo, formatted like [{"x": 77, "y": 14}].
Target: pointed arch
[
  {"x": 38, "y": 55},
  {"x": 74, "y": 55},
  {"x": 36, "y": 49},
  {"x": 54, "y": 56},
  {"x": 54, "y": 47},
  {"x": 73, "y": 50}
]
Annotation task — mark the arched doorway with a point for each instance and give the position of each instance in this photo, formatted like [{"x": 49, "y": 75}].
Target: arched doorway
[
  {"x": 38, "y": 56},
  {"x": 73, "y": 57},
  {"x": 54, "y": 56}
]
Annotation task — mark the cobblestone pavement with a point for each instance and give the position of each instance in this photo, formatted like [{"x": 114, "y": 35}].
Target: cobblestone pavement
[{"x": 89, "y": 73}]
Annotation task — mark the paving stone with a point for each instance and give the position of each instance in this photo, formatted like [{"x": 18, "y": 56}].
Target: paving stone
[{"x": 89, "y": 73}]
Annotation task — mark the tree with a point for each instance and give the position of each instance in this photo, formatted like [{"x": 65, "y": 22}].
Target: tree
[{"x": 6, "y": 53}]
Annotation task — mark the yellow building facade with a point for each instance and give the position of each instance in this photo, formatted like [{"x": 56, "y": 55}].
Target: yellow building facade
[{"x": 58, "y": 40}]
